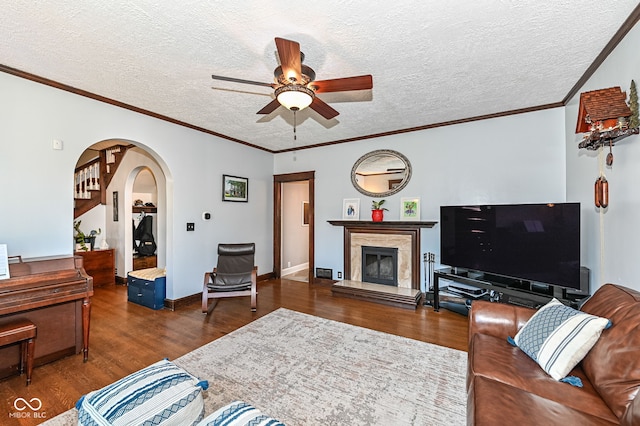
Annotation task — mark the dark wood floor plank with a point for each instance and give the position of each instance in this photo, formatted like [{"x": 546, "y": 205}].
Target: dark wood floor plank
[{"x": 126, "y": 337}]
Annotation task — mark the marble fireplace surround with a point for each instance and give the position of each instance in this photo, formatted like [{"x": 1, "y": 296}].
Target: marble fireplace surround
[
  {"x": 404, "y": 235},
  {"x": 401, "y": 242}
]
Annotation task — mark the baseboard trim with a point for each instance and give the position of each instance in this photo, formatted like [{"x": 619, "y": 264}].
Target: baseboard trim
[
  {"x": 293, "y": 269},
  {"x": 174, "y": 304}
]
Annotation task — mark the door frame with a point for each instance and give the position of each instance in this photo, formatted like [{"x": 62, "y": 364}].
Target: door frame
[{"x": 278, "y": 180}]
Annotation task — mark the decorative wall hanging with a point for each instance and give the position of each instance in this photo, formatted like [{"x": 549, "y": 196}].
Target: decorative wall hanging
[
  {"x": 601, "y": 192},
  {"x": 605, "y": 118}
]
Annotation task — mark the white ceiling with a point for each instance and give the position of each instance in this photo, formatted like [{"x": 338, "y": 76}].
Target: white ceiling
[{"x": 432, "y": 61}]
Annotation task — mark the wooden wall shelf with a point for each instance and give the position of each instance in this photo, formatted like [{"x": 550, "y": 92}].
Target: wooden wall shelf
[
  {"x": 145, "y": 209},
  {"x": 384, "y": 224}
]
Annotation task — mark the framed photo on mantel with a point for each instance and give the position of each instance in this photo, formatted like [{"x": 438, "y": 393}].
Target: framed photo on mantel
[
  {"x": 235, "y": 188},
  {"x": 410, "y": 208},
  {"x": 351, "y": 209}
]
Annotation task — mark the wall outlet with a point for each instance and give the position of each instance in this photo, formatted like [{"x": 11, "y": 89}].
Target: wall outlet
[
  {"x": 288, "y": 264},
  {"x": 191, "y": 226},
  {"x": 339, "y": 275}
]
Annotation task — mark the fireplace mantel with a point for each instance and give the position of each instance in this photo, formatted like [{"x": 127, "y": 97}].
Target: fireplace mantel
[
  {"x": 397, "y": 224},
  {"x": 396, "y": 228}
]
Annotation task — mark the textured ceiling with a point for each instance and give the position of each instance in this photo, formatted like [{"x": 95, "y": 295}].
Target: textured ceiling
[{"x": 432, "y": 61}]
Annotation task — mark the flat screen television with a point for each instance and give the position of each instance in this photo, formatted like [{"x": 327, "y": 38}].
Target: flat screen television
[{"x": 535, "y": 242}]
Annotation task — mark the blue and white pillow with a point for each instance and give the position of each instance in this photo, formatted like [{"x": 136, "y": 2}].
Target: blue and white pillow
[
  {"x": 239, "y": 413},
  {"x": 558, "y": 337},
  {"x": 161, "y": 394}
]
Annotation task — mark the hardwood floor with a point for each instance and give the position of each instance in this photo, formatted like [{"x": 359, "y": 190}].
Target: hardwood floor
[{"x": 126, "y": 337}]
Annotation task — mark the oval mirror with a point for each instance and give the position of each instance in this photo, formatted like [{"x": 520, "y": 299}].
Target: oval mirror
[{"x": 381, "y": 173}]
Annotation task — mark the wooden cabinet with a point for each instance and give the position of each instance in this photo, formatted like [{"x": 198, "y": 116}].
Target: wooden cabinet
[
  {"x": 101, "y": 265},
  {"x": 144, "y": 262}
]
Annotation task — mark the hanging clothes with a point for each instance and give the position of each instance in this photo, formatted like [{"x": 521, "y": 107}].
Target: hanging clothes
[{"x": 144, "y": 234}]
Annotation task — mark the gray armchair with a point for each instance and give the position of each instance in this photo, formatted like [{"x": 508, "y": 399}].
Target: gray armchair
[{"x": 235, "y": 275}]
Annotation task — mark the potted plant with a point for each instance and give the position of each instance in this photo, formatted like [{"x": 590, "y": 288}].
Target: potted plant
[
  {"x": 377, "y": 211},
  {"x": 81, "y": 239}
]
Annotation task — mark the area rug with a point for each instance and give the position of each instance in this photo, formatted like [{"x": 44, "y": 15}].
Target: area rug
[{"x": 306, "y": 370}]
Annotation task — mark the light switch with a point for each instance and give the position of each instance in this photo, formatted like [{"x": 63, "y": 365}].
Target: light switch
[{"x": 57, "y": 144}]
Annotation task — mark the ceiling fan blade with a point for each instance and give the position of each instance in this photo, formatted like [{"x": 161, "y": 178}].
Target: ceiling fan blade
[
  {"x": 290, "y": 61},
  {"x": 322, "y": 108},
  {"x": 361, "y": 82},
  {"x": 270, "y": 107},
  {"x": 239, "y": 80}
]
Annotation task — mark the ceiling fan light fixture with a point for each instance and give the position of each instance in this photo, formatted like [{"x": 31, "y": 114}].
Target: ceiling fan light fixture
[{"x": 294, "y": 96}]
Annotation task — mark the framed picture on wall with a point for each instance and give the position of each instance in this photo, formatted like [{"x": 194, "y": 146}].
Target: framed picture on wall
[
  {"x": 235, "y": 188},
  {"x": 410, "y": 208},
  {"x": 305, "y": 213},
  {"x": 115, "y": 206},
  {"x": 351, "y": 209}
]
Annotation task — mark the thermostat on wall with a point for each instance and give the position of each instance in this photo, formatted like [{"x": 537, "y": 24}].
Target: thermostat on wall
[{"x": 206, "y": 216}]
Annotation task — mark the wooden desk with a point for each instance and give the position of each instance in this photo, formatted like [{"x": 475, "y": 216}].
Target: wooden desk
[
  {"x": 101, "y": 265},
  {"x": 54, "y": 294}
]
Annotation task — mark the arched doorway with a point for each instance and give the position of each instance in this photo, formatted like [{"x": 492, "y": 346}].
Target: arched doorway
[{"x": 114, "y": 214}]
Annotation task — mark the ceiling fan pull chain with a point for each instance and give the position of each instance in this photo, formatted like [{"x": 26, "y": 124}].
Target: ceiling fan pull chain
[{"x": 295, "y": 137}]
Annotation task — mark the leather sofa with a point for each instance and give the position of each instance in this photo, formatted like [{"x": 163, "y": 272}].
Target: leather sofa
[{"x": 505, "y": 386}]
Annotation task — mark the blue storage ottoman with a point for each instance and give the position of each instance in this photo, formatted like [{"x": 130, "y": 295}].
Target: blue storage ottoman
[{"x": 147, "y": 287}]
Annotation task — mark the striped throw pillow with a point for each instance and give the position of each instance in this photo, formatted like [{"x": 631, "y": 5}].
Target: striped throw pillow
[
  {"x": 239, "y": 413},
  {"x": 557, "y": 337},
  {"x": 161, "y": 394}
]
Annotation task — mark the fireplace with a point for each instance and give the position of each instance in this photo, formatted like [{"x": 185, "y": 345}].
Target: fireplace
[
  {"x": 380, "y": 265},
  {"x": 404, "y": 238},
  {"x": 403, "y": 235}
]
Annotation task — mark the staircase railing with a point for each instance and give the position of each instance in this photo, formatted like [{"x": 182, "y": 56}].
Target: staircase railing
[
  {"x": 87, "y": 179},
  {"x": 92, "y": 179}
]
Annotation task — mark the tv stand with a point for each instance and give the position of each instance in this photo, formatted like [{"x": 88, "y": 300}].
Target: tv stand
[{"x": 505, "y": 290}]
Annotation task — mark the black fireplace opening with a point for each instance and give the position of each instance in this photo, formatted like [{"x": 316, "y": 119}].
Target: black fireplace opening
[{"x": 380, "y": 265}]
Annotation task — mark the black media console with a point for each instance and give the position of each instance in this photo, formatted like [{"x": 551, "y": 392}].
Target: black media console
[{"x": 508, "y": 290}]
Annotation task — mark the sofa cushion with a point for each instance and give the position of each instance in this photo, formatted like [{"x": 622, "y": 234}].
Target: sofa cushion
[
  {"x": 239, "y": 413},
  {"x": 613, "y": 364},
  {"x": 557, "y": 337},
  {"x": 161, "y": 394},
  {"x": 494, "y": 359},
  {"x": 491, "y": 403}
]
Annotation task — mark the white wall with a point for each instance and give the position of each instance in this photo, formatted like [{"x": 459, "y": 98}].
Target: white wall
[
  {"x": 610, "y": 236},
  {"x": 36, "y": 197},
  {"x": 515, "y": 159}
]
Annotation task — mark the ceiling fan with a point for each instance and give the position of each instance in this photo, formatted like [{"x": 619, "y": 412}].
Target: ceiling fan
[{"x": 295, "y": 85}]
